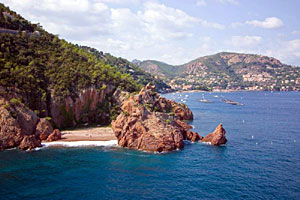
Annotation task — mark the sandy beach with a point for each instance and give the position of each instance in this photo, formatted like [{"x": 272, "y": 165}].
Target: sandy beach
[{"x": 88, "y": 134}]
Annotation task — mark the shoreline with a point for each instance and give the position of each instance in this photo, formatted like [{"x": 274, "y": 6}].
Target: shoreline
[{"x": 87, "y": 134}]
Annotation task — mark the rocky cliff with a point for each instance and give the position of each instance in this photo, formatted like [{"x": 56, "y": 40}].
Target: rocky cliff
[
  {"x": 90, "y": 105},
  {"x": 21, "y": 127},
  {"x": 153, "y": 123}
]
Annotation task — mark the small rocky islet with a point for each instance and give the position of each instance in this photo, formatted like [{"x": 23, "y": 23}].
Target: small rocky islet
[{"x": 146, "y": 122}]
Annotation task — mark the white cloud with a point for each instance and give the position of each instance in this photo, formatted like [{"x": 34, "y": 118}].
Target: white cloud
[
  {"x": 244, "y": 41},
  {"x": 151, "y": 30},
  {"x": 201, "y": 3},
  {"x": 234, "y": 2},
  {"x": 236, "y": 24},
  {"x": 205, "y": 23},
  {"x": 166, "y": 17},
  {"x": 119, "y": 1},
  {"x": 286, "y": 51},
  {"x": 269, "y": 23}
]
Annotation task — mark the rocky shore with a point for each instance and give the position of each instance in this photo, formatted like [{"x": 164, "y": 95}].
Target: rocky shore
[
  {"x": 147, "y": 122},
  {"x": 20, "y": 127}
]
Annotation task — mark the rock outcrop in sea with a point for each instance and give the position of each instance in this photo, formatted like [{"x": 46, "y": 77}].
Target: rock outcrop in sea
[
  {"x": 217, "y": 137},
  {"x": 153, "y": 123}
]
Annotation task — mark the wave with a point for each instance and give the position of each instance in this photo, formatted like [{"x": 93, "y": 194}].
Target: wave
[
  {"x": 81, "y": 143},
  {"x": 206, "y": 143}
]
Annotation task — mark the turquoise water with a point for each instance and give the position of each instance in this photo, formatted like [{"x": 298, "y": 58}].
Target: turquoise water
[{"x": 260, "y": 161}]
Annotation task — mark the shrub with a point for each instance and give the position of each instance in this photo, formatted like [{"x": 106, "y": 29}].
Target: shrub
[
  {"x": 15, "y": 101},
  {"x": 48, "y": 118}
]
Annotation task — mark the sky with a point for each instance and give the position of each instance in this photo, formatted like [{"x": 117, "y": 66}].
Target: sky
[{"x": 172, "y": 31}]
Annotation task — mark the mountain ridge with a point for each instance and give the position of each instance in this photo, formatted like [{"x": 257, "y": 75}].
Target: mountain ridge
[{"x": 227, "y": 71}]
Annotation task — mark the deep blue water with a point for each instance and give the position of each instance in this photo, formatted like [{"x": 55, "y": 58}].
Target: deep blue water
[{"x": 265, "y": 166}]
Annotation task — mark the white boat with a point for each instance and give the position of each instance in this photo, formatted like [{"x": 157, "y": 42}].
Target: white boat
[
  {"x": 232, "y": 102},
  {"x": 205, "y": 101}
]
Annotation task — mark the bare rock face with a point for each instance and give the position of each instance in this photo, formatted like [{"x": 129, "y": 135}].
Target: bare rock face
[
  {"x": 16, "y": 123},
  {"x": 120, "y": 96},
  {"x": 147, "y": 131},
  {"x": 217, "y": 137},
  {"x": 26, "y": 118},
  {"x": 192, "y": 136},
  {"x": 183, "y": 112},
  {"x": 43, "y": 129},
  {"x": 187, "y": 134},
  {"x": 147, "y": 122},
  {"x": 81, "y": 108},
  {"x": 10, "y": 131},
  {"x": 55, "y": 135},
  {"x": 29, "y": 142}
]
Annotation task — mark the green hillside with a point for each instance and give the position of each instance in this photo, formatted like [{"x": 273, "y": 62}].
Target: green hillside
[
  {"x": 39, "y": 67},
  {"x": 124, "y": 66},
  {"x": 162, "y": 69}
]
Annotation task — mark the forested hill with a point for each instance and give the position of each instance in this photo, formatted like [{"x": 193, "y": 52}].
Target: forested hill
[
  {"x": 229, "y": 71},
  {"x": 127, "y": 67},
  {"x": 41, "y": 70}
]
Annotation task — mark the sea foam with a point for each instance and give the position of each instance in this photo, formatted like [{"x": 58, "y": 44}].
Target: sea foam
[{"x": 81, "y": 143}]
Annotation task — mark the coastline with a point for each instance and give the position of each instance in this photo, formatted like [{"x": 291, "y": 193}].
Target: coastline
[{"x": 228, "y": 91}]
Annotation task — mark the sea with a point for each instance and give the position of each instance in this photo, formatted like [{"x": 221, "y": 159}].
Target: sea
[{"x": 260, "y": 161}]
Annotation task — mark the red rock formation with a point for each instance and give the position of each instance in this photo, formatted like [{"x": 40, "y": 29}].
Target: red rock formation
[
  {"x": 147, "y": 122},
  {"x": 217, "y": 137},
  {"x": 20, "y": 127},
  {"x": 82, "y": 108},
  {"x": 183, "y": 112},
  {"x": 16, "y": 123},
  {"x": 43, "y": 129},
  {"x": 10, "y": 131},
  {"x": 29, "y": 142},
  {"x": 193, "y": 136},
  {"x": 26, "y": 118},
  {"x": 55, "y": 135}
]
